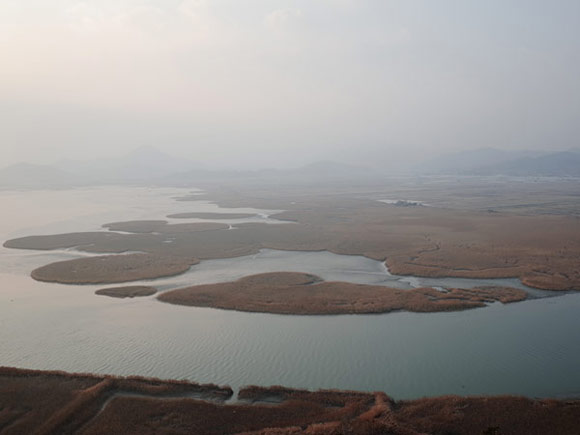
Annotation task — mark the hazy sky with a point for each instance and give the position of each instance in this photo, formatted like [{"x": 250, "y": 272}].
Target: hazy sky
[{"x": 274, "y": 82}]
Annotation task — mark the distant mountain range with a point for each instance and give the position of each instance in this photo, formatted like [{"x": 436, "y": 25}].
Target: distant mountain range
[
  {"x": 491, "y": 161},
  {"x": 317, "y": 171},
  {"x": 29, "y": 176},
  {"x": 562, "y": 164},
  {"x": 148, "y": 165},
  {"x": 143, "y": 164}
]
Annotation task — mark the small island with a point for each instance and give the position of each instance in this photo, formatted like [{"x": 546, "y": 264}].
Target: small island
[
  {"x": 300, "y": 293},
  {"x": 132, "y": 291}
]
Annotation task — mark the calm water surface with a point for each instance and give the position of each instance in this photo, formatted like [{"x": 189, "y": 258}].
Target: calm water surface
[{"x": 529, "y": 348}]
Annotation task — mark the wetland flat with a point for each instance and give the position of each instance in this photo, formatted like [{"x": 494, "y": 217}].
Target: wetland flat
[{"x": 526, "y": 348}]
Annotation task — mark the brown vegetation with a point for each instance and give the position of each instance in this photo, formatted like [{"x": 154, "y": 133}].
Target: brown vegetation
[
  {"x": 164, "y": 227},
  {"x": 299, "y": 293},
  {"x": 44, "y": 402},
  {"x": 112, "y": 268},
  {"x": 490, "y": 415},
  {"x": 127, "y": 292},
  {"x": 49, "y": 403},
  {"x": 82, "y": 241},
  {"x": 541, "y": 249}
]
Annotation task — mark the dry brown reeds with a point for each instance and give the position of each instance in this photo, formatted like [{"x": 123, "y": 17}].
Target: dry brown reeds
[
  {"x": 60, "y": 403},
  {"x": 298, "y": 293}
]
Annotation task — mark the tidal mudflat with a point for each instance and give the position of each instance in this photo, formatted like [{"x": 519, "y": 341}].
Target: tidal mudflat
[{"x": 542, "y": 251}]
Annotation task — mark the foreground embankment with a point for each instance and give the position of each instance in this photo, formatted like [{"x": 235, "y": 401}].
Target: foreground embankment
[{"x": 43, "y": 402}]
